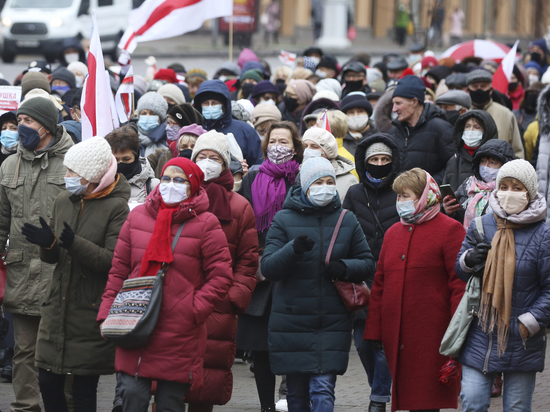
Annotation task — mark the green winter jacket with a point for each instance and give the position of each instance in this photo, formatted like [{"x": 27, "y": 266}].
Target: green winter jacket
[
  {"x": 69, "y": 340},
  {"x": 310, "y": 328},
  {"x": 29, "y": 184}
]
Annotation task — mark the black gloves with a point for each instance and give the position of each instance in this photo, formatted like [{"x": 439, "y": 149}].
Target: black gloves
[
  {"x": 476, "y": 257},
  {"x": 376, "y": 344},
  {"x": 39, "y": 236},
  {"x": 67, "y": 237},
  {"x": 335, "y": 270},
  {"x": 302, "y": 244}
]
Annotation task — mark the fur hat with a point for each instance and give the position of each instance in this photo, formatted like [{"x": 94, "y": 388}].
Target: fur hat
[
  {"x": 172, "y": 92},
  {"x": 313, "y": 169},
  {"x": 90, "y": 159},
  {"x": 521, "y": 170},
  {"x": 154, "y": 102},
  {"x": 217, "y": 142},
  {"x": 324, "y": 139}
]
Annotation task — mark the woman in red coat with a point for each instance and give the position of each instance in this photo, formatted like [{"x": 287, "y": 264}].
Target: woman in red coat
[
  {"x": 415, "y": 293},
  {"x": 212, "y": 155},
  {"x": 198, "y": 279}
]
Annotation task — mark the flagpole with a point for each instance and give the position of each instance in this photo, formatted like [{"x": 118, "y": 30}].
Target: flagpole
[{"x": 231, "y": 38}]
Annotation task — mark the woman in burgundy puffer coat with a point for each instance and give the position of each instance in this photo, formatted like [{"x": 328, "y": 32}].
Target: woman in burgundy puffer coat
[
  {"x": 212, "y": 155},
  {"x": 198, "y": 279}
]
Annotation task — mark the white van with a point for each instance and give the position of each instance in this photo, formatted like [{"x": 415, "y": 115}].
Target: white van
[{"x": 40, "y": 26}]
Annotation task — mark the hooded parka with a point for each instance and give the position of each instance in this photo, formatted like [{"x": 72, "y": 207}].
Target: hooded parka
[
  {"x": 459, "y": 167},
  {"x": 29, "y": 184},
  {"x": 543, "y": 159},
  {"x": 69, "y": 340},
  {"x": 344, "y": 176},
  {"x": 198, "y": 279},
  {"x": 138, "y": 183},
  {"x": 310, "y": 328}
]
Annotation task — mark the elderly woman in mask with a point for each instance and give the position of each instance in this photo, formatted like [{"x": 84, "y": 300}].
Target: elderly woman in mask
[{"x": 297, "y": 95}]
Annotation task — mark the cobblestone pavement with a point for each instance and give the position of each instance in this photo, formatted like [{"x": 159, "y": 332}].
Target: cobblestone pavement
[{"x": 352, "y": 391}]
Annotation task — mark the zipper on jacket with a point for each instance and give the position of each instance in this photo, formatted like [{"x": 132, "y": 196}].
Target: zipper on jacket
[
  {"x": 486, "y": 364},
  {"x": 320, "y": 279},
  {"x": 190, "y": 379}
]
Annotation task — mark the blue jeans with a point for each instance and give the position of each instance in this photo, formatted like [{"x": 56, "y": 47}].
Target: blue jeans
[
  {"x": 375, "y": 364},
  {"x": 310, "y": 393},
  {"x": 517, "y": 391}
]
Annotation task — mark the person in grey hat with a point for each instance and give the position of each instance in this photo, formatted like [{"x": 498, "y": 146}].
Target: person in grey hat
[
  {"x": 457, "y": 81},
  {"x": 354, "y": 78},
  {"x": 396, "y": 67},
  {"x": 480, "y": 88},
  {"x": 33, "y": 178},
  {"x": 455, "y": 103}
]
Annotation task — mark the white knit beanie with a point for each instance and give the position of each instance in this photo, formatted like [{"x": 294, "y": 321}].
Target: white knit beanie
[
  {"x": 154, "y": 102},
  {"x": 324, "y": 139},
  {"x": 378, "y": 148},
  {"x": 89, "y": 159},
  {"x": 523, "y": 171},
  {"x": 172, "y": 92},
  {"x": 217, "y": 142}
]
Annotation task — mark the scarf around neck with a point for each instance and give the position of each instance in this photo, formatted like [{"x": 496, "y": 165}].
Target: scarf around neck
[
  {"x": 478, "y": 197},
  {"x": 427, "y": 206},
  {"x": 218, "y": 194},
  {"x": 269, "y": 190}
]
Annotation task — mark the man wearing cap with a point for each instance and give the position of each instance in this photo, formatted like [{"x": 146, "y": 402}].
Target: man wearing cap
[
  {"x": 421, "y": 131},
  {"x": 29, "y": 183},
  {"x": 40, "y": 66},
  {"x": 396, "y": 67},
  {"x": 457, "y": 81},
  {"x": 455, "y": 103},
  {"x": 327, "y": 67},
  {"x": 354, "y": 78},
  {"x": 480, "y": 88},
  {"x": 359, "y": 111}
]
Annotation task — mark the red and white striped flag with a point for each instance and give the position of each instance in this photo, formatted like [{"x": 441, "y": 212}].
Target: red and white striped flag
[
  {"x": 287, "y": 58},
  {"x": 97, "y": 119},
  {"x": 124, "y": 97},
  {"x": 162, "y": 19},
  {"x": 501, "y": 78},
  {"x": 323, "y": 122}
]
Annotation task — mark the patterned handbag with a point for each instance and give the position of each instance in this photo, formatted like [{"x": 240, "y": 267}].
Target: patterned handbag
[{"x": 135, "y": 311}]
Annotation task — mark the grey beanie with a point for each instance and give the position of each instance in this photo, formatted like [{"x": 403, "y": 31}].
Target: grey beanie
[
  {"x": 41, "y": 110},
  {"x": 313, "y": 169},
  {"x": 64, "y": 75},
  {"x": 455, "y": 97},
  {"x": 217, "y": 142},
  {"x": 479, "y": 75},
  {"x": 34, "y": 80},
  {"x": 521, "y": 170},
  {"x": 378, "y": 148},
  {"x": 154, "y": 102}
]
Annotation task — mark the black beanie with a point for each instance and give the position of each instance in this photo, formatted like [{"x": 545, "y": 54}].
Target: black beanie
[
  {"x": 42, "y": 110},
  {"x": 410, "y": 87},
  {"x": 356, "y": 100},
  {"x": 185, "y": 114}
]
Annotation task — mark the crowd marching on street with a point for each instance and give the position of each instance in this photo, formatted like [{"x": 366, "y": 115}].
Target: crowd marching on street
[{"x": 292, "y": 216}]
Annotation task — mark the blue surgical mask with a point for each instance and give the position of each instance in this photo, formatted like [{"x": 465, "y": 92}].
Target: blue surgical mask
[
  {"x": 8, "y": 138},
  {"x": 29, "y": 137},
  {"x": 148, "y": 122},
  {"x": 60, "y": 90},
  {"x": 74, "y": 186},
  {"x": 406, "y": 208},
  {"x": 212, "y": 112},
  {"x": 488, "y": 174},
  {"x": 321, "y": 195}
]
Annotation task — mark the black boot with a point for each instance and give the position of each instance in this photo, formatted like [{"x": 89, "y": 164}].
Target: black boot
[
  {"x": 269, "y": 409},
  {"x": 8, "y": 368},
  {"x": 375, "y": 406}
]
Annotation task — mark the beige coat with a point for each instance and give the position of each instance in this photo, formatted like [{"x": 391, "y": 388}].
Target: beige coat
[{"x": 507, "y": 126}]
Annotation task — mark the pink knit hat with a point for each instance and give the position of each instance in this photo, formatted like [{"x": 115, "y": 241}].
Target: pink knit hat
[{"x": 191, "y": 129}]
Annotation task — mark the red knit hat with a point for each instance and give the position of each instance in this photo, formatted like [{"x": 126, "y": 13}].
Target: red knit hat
[
  {"x": 192, "y": 171},
  {"x": 168, "y": 75}
]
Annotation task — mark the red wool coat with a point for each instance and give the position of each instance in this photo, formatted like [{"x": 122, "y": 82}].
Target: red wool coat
[
  {"x": 197, "y": 280},
  {"x": 242, "y": 239},
  {"x": 414, "y": 295}
]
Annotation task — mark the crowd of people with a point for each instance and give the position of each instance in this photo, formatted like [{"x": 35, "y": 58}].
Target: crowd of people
[{"x": 256, "y": 191}]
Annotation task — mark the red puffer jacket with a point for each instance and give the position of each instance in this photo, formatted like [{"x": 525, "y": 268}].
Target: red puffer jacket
[
  {"x": 222, "y": 324},
  {"x": 198, "y": 279}
]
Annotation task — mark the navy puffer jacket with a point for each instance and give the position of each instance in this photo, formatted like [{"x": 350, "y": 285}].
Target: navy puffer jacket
[
  {"x": 310, "y": 328},
  {"x": 531, "y": 293}
]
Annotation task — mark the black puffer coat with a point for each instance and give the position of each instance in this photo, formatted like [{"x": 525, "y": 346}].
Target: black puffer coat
[
  {"x": 429, "y": 144},
  {"x": 459, "y": 167}
]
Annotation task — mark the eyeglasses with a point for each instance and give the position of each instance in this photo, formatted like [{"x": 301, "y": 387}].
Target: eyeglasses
[{"x": 178, "y": 181}]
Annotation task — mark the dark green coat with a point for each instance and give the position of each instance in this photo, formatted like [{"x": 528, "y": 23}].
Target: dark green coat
[
  {"x": 310, "y": 328},
  {"x": 69, "y": 340}
]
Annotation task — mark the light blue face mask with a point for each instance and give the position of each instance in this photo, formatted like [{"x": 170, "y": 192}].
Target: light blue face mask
[
  {"x": 321, "y": 196},
  {"x": 8, "y": 138},
  {"x": 74, "y": 186},
  {"x": 148, "y": 122},
  {"x": 212, "y": 112},
  {"x": 406, "y": 208}
]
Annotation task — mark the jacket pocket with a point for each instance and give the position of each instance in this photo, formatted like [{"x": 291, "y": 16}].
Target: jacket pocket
[
  {"x": 14, "y": 256},
  {"x": 15, "y": 192}
]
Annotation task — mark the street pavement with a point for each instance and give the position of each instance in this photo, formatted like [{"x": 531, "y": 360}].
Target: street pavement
[{"x": 352, "y": 391}]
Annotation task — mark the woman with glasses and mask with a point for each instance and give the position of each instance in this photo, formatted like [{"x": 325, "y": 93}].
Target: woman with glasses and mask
[{"x": 197, "y": 280}]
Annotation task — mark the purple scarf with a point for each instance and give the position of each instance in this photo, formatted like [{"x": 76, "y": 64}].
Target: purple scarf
[{"x": 269, "y": 190}]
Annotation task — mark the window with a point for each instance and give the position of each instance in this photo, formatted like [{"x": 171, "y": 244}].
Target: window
[{"x": 101, "y": 3}]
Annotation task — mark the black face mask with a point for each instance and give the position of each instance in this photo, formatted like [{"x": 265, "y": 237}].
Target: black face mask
[
  {"x": 186, "y": 153},
  {"x": 281, "y": 85},
  {"x": 379, "y": 172},
  {"x": 129, "y": 170},
  {"x": 291, "y": 104},
  {"x": 247, "y": 90},
  {"x": 536, "y": 57},
  {"x": 355, "y": 86},
  {"x": 452, "y": 116},
  {"x": 530, "y": 103},
  {"x": 480, "y": 97},
  {"x": 513, "y": 86}
]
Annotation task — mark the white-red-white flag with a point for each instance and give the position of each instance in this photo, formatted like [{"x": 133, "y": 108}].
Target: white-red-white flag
[
  {"x": 287, "y": 58},
  {"x": 124, "y": 96},
  {"x": 162, "y": 19},
  {"x": 323, "y": 122},
  {"x": 501, "y": 78},
  {"x": 97, "y": 119}
]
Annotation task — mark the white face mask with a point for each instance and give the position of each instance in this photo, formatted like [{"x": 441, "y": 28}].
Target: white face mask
[
  {"x": 315, "y": 59},
  {"x": 71, "y": 57},
  {"x": 321, "y": 195},
  {"x": 358, "y": 122},
  {"x": 512, "y": 202},
  {"x": 320, "y": 73},
  {"x": 533, "y": 78},
  {"x": 311, "y": 153},
  {"x": 270, "y": 101},
  {"x": 173, "y": 194},
  {"x": 210, "y": 168},
  {"x": 472, "y": 138},
  {"x": 79, "y": 81}
]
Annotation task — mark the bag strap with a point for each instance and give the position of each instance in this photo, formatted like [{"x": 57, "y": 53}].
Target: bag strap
[
  {"x": 373, "y": 212},
  {"x": 479, "y": 225},
  {"x": 178, "y": 233},
  {"x": 334, "y": 236}
]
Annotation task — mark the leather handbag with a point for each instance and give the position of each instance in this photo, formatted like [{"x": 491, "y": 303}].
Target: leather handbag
[
  {"x": 135, "y": 311},
  {"x": 467, "y": 309},
  {"x": 354, "y": 295}
]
